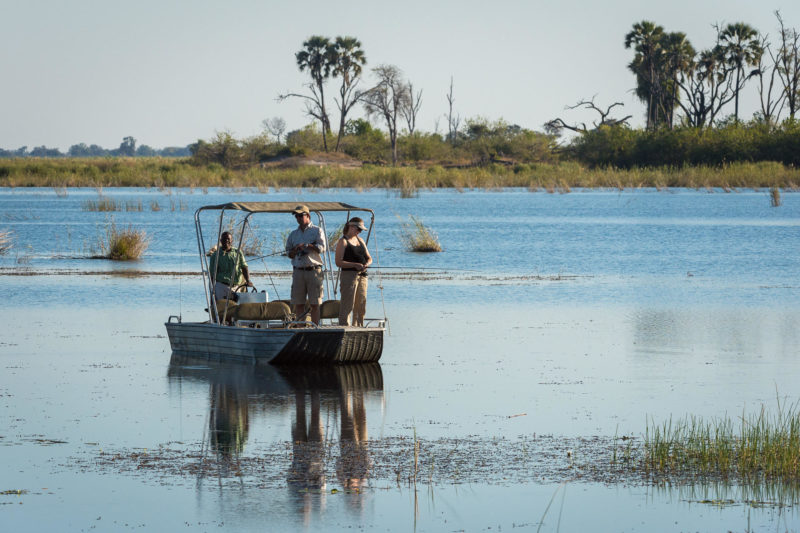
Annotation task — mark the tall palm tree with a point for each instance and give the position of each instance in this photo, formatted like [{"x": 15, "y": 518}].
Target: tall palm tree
[
  {"x": 317, "y": 58},
  {"x": 679, "y": 57},
  {"x": 347, "y": 60},
  {"x": 645, "y": 38},
  {"x": 742, "y": 47}
]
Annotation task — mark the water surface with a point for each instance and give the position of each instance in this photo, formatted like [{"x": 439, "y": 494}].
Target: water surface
[{"x": 548, "y": 317}]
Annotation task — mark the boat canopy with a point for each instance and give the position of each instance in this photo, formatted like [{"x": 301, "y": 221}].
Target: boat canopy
[{"x": 283, "y": 207}]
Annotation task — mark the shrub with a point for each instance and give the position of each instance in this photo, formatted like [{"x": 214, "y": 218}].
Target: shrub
[
  {"x": 124, "y": 244},
  {"x": 419, "y": 238}
]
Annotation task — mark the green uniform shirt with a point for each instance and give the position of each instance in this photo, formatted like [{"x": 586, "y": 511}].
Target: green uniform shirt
[{"x": 230, "y": 266}]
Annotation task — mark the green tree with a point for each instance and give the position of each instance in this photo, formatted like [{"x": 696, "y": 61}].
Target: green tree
[
  {"x": 348, "y": 59},
  {"x": 678, "y": 58},
  {"x": 646, "y": 40},
  {"x": 316, "y": 58},
  {"x": 128, "y": 147},
  {"x": 742, "y": 48}
]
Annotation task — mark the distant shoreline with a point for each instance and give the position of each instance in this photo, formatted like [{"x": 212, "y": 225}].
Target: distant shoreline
[{"x": 313, "y": 174}]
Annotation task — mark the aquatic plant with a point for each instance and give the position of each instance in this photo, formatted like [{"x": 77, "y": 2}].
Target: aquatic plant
[
  {"x": 101, "y": 205},
  {"x": 761, "y": 444},
  {"x": 419, "y": 238},
  {"x": 775, "y": 196},
  {"x": 5, "y": 241},
  {"x": 124, "y": 244}
]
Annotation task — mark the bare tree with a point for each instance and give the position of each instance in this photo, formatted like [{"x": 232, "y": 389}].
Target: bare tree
[
  {"x": 557, "y": 125},
  {"x": 411, "y": 107},
  {"x": 386, "y": 99},
  {"x": 708, "y": 85},
  {"x": 275, "y": 126},
  {"x": 788, "y": 59},
  {"x": 453, "y": 122},
  {"x": 771, "y": 106}
]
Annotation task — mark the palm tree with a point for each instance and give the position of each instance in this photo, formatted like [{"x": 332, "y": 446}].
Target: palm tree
[
  {"x": 317, "y": 58},
  {"x": 742, "y": 47},
  {"x": 347, "y": 60},
  {"x": 645, "y": 38},
  {"x": 679, "y": 55}
]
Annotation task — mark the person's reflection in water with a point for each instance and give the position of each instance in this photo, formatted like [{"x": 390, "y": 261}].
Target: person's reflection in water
[
  {"x": 228, "y": 421},
  {"x": 352, "y": 467},
  {"x": 307, "y": 472}
]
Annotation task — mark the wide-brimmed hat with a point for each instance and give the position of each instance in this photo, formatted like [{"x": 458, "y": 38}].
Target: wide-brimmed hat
[
  {"x": 357, "y": 222},
  {"x": 301, "y": 210}
]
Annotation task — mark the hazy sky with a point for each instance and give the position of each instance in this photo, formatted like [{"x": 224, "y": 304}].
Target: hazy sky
[{"x": 170, "y": 72}]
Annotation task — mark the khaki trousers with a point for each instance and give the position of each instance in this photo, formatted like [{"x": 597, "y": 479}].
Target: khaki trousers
[{"x": 353, "y": 299}]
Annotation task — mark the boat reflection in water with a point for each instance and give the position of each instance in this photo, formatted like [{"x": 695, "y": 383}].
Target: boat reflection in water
[{"x": 322, "y": 397}]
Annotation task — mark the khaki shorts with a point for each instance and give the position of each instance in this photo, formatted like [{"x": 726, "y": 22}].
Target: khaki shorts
[{"x": 307, "y": 283}]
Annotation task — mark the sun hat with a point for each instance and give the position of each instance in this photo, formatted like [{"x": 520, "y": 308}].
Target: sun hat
[
  {"x": 357, "y": 222},
  {"x": 301, "y": 210}
]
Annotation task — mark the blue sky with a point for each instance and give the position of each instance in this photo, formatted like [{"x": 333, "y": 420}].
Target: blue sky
[{"x": 170, "y": 72}]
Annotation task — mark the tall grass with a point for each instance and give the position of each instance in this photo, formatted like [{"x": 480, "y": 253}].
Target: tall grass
[
  {"x": 101, "y": 205},
  {"x": 5, "y": 242},
  {"x": 126, "y": 244},
  {"x": 419, "y": 238},
  {"x": 763, "y": 444},
  {"x": 407, "y": 180}
]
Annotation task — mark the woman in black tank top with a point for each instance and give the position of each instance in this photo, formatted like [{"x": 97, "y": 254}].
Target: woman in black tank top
[{"x": 353, "y": 258}]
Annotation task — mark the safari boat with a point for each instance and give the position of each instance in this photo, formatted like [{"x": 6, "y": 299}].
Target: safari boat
[{"x": 256, "y": 330}]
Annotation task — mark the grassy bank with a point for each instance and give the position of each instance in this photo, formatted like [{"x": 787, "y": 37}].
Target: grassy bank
[{"x": 556, "y": 177}]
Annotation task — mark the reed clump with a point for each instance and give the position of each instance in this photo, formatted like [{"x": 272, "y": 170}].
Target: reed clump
[
  {"x": 101, "y": 205},
  {"x": 5, "y": 242},
  {"x": 763, "y": 444},
  {"x": 419, "y": 238},
  {"x": 775, "y": 196},
  {"x": 127, "y": 244}
]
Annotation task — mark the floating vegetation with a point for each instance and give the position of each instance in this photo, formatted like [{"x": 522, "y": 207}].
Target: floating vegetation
[
  {"x": 13, "y": 492},
  {"x": 124, "y": 244},
  {"x": 419, "y": 238},
  {"x": 101, "y": 205}
]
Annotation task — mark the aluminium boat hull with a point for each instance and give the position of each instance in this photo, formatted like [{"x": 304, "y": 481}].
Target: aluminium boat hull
[{"x": 283, "y": 346}]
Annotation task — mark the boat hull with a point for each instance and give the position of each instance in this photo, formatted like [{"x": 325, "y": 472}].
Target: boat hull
[{"x": 328, "y": 345}]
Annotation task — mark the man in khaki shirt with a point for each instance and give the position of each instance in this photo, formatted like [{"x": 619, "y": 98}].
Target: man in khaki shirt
[{"x": 304, "y": 247}]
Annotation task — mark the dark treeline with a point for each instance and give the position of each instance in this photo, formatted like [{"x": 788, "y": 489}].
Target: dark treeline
[{"x": 127, "y": 148}]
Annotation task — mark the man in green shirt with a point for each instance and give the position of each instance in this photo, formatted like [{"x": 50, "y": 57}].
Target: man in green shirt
[{"x": 227, "y": 266}]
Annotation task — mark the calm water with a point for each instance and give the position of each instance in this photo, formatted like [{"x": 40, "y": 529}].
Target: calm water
[{"x": 574, "y": 315}]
